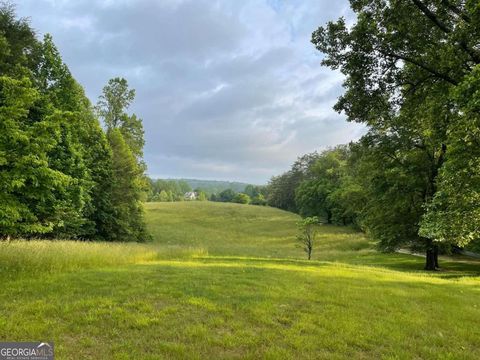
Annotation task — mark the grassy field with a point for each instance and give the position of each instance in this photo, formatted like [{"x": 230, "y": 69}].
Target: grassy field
[{"x": 226, "y": 281}]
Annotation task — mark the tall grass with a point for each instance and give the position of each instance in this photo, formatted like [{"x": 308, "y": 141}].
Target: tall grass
[
  {"x": 226, "y": 229},
  {"x": 44, "y": 256}
]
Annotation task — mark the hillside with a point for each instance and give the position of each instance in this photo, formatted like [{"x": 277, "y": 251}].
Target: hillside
[{"x": 226, "y": 281}]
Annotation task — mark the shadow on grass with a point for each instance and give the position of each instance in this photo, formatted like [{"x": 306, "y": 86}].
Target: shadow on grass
[{"x": 450, "y": 269}]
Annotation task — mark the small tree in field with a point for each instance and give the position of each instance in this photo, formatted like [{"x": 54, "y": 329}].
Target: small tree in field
[{"x": 308, "y": 228}]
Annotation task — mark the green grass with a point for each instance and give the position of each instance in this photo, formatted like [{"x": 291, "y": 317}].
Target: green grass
[
  {"x": 224, "y": 228},
  {"x": 226, "y": 281},
  {"x": 36, "y": 257}
]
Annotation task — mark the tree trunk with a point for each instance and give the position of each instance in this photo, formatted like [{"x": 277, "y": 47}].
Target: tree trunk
[
  {"x": 435, "y": 255},
  {"x": 329, "y": 217},
  {"x": 431, "y": 259}
]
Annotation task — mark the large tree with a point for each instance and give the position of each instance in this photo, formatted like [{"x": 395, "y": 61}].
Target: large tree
[
  {"x": 81, "y": 152},
  {"x": 59, "y": 175},
  {"x": 47, "y": 123},
  {"x": 128, "y": 182},
  {"x": 112, "y": 105},
  {"x": 125, "y": 196},
  {"x": 28, "y": 186},
  {"x": 454, "y": 213},
  {"x": 402, "y": 60}
]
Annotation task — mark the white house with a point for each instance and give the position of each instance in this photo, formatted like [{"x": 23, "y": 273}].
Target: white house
[{"x": 191, "y": 195}]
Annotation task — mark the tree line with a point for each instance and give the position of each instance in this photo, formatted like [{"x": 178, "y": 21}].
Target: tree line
[
  {"x": 168, "y": 190},
  {"x": 412, "y": 75},
  {"x": 61, "y": 174},
  {"x": 252, "y": 194},
  {"x": 175, "y": 190}
]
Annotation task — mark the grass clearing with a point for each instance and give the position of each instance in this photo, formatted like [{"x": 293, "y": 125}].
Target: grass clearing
[
  {"x": 240, "y": 230},
  {"x": 243, "y": 295},
  {"x": 34, "y": 257}
]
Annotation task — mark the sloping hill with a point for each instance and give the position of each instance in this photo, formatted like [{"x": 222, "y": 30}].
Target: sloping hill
[{"x": 228, "y": 282}]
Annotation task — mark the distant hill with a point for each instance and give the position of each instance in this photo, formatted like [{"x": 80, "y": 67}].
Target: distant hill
[{"x": 215, "y": 186}]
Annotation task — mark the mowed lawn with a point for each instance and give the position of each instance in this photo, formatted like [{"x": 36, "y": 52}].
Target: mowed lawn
[{"x": 226, "y": 281}]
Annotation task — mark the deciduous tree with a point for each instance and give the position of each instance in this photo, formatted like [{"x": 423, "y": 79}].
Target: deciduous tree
[{"x": 308, "y": 228}]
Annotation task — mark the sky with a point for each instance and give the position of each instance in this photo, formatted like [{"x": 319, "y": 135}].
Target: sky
[{"x": 227, "y": 90}]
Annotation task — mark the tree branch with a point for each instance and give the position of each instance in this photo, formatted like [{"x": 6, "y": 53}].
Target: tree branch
[
  {"x": 456, "y": 11},
  {"x": 414, "y": 85},
  {"x": 426, "y": 11},
  {"x": 442, "y": 26},
  {"x": 425, "y": 67}
]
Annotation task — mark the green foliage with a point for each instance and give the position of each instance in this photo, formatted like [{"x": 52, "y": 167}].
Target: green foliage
[
  {"x": 55, "y": 81},
  {"x": 255, "y": 191},
  {"x": 205, "y": 189},
  {"x": 112, "y": 106},
  {"x": 322, "y": 185},
  {"x": 83, "y": 152},
  {"x": 129, "y": 184},
  {"x": 29, "y": 186},
  {"x": 453, "y": 214},
  {"x": 163, "y": 196},
  {"x": 404, "y": 61},
  {"x": 19, "y": 47},
  {"x": 126, "y": 192},
  {"x": 259, "y": 200},
  {"x": 241, "y": 198},
  {"x": 393, "y": 194},
  {"x": 174, "y": 189},
  {"x": 398, "y": 49},
  {"x": 202, "y": 196},
  {"x": 56, "y": 164},
  {"x": 226, "y": 195},
  {"x": 281, "y": 189},
  {"x": 46, "y": 180},
  {"x": 319, "y": 195},
  {"x": 214, "y": 186},
  {"x": 184, "y": 186},
  {"x": 115, "y": 100}
]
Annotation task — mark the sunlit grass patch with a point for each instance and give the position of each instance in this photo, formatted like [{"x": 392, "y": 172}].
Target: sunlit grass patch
[
  {"x": 243, "y": 230},
  {"x": 31, "y": 257},
  {"x": 235, "y": 230},
  {"x": 245, "y": 309}
]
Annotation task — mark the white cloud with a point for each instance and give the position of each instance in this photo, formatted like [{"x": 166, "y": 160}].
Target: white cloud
[{"x": 227, "y": 89}]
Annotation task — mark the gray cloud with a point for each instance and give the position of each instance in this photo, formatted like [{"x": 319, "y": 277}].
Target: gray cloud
[{"x": 227, "y": 89}]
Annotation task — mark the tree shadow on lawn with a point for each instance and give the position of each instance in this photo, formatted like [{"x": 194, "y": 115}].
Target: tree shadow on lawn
[{"x": 451, "y": 268}]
